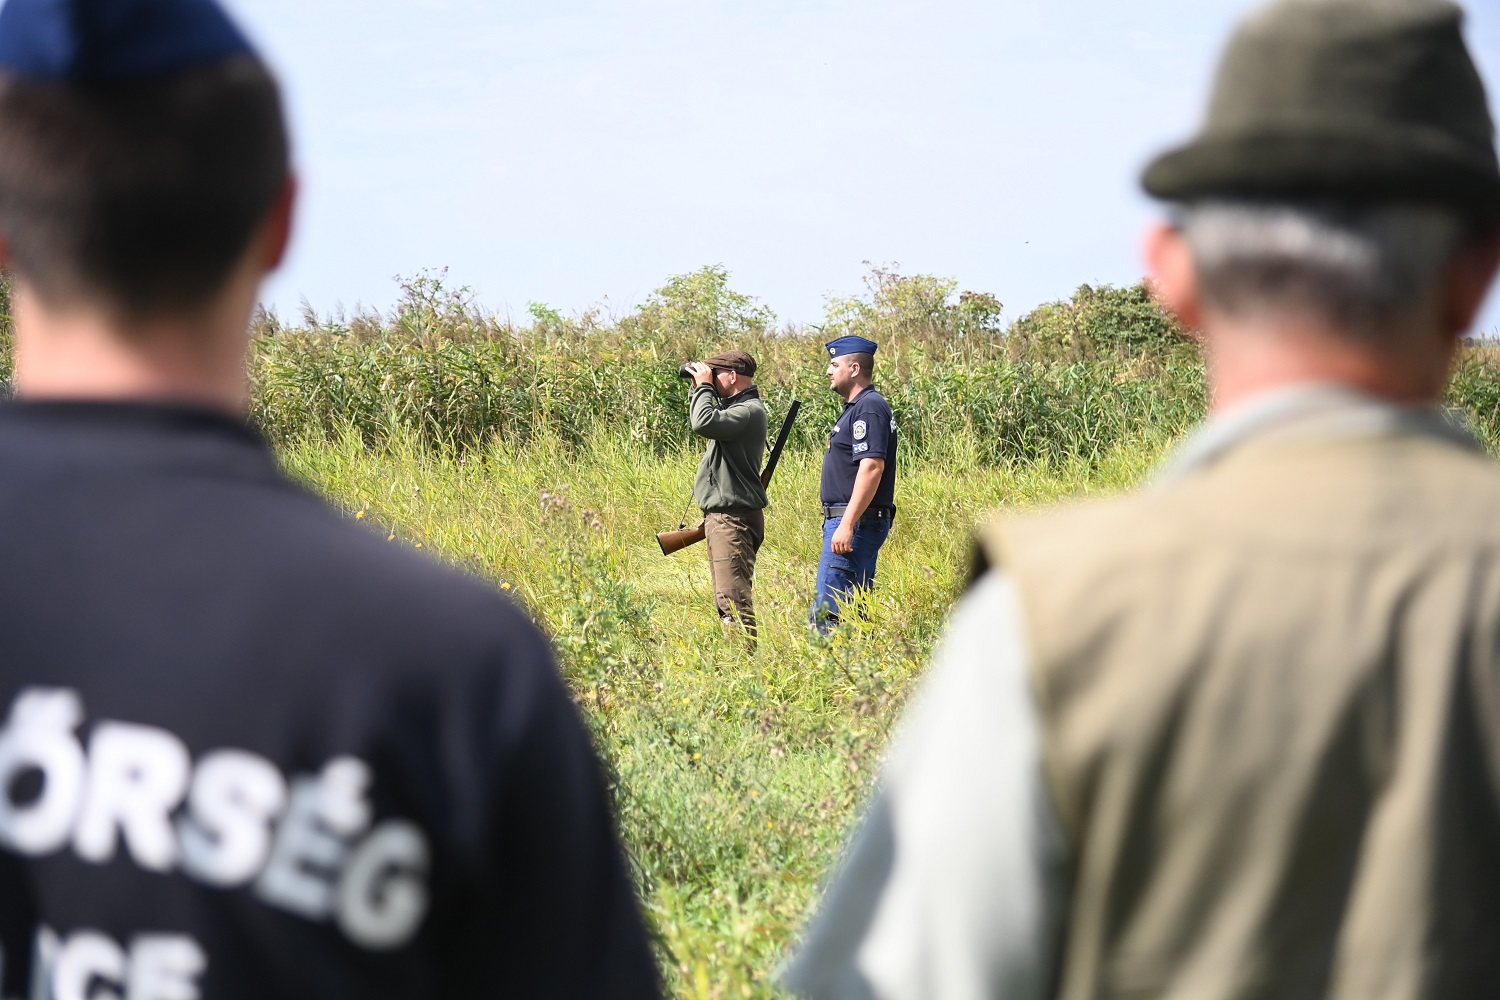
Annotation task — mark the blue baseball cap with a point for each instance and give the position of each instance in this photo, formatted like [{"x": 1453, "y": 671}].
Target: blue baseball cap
[
  {"x": 840, "y": 346},
  {"x": 113, "y": 41}
]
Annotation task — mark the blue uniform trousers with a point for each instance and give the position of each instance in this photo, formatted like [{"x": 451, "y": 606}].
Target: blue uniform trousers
[{"x": 838, "y": 575}]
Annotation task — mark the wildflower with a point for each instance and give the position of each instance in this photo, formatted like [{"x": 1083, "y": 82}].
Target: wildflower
[
  {"x": 697, "y": 756},
  {"x": 391, "y": 537},
  {"x": 419, "y": 545},
  {"x": 505, "y": 586},
  {"x": 359, "y": 514}
]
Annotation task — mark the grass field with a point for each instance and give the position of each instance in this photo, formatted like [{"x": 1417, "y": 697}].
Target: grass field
[
  {"x": 544, "y": 457},
  {"x": 736, "y": 777}
]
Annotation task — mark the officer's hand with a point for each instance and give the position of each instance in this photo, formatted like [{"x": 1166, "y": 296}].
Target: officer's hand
[
  {"x": 702, "y": 374},
  {"x": 843, "y": 538}
]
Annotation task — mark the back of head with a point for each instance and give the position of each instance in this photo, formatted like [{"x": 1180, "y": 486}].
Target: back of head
[
  {"x": 1363, "y": 269},
  {"x": 141, "y": 143}
]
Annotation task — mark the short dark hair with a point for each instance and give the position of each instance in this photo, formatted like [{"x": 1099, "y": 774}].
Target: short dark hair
[
  {"x": 865, "y": 361},
  {"x": 140, "y": 197}
]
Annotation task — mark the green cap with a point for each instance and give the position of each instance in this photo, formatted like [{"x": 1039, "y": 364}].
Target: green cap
[{"x": 1364, "y": 100}]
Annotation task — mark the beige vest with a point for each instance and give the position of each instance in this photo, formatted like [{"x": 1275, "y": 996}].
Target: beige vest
[{"x": 1271, "y": 704}]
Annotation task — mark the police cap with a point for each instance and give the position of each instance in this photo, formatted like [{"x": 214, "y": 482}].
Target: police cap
[
  {"x": 841, "y": 346},
  {"x": 101, "y": 42}
]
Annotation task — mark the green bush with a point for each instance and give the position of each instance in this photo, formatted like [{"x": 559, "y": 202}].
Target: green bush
[
  {"x": 1100, "y": 323},
  {"x": 439, "y": 370},
  {"x": 1069, "y": 380}
]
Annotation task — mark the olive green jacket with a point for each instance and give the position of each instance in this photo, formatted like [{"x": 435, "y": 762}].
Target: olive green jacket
[{"x": 729, "y": 475}]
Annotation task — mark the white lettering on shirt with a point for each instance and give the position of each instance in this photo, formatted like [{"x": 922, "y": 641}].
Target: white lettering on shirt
[
  {"x": 382, "y": 897},
  {"x": 137, "y": 777},
  {"x": 39, "y": 738},
  {"x": 164, "y": 967},
  {"x": 306, "y": 845},
  {"x": 82, "y": 960},
  {"x": 226, "y": 835}
]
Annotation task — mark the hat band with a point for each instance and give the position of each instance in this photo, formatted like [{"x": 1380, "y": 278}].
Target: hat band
[{"x": 1331, "y": 159}]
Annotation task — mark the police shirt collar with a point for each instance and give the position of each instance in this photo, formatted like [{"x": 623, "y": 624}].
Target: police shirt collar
[{"x": 120, "y": 432}]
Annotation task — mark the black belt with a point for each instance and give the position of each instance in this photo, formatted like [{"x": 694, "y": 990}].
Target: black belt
[{"x": 838, "y": 509}]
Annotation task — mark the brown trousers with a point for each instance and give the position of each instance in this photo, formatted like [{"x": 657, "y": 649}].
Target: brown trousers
[{"x": 733, "y": 537}]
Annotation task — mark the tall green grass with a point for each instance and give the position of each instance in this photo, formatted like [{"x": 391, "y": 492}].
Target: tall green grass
[
  {"x": 544, "y": 455},
  {"x": 1068, "y": 380},
  {"x": 735, "y": 776}
]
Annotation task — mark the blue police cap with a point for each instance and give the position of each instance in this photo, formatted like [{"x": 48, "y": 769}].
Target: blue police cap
[
  {"x": 837, "y": 348},
  {"x": 113, "y": 41}
]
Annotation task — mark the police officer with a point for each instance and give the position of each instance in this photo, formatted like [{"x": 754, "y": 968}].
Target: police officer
[
  {"x": 725, "y": 407},
  {"x": 859, "y": 480},
  {"x": 1237, "y": 736},
  {"x": 247, "y": 747}
]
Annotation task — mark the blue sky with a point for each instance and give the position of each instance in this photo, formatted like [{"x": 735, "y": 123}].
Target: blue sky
[{"x": 580, "y": 151}]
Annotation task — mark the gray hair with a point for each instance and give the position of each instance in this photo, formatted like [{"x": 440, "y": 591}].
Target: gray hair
[{"x": 1364, "y": 269}]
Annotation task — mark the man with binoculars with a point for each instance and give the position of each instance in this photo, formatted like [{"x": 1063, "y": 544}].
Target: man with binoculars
[{"x": 725, "y": 407}]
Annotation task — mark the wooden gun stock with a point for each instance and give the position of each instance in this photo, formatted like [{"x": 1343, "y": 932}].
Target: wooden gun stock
[{"x": 671, "y": 541}]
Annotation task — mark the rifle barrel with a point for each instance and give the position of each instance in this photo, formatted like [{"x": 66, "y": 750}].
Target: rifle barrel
[{"x": 781, "y": 436}]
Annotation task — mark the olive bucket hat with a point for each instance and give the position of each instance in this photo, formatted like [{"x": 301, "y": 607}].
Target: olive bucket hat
[{"x": 1349, "y": 99}]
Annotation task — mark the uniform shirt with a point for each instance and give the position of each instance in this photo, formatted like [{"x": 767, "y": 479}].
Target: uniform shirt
[
  {"x": 866, "y": 429},
  {"x": 248, "y": 748},
  {"x": 956, "y": 886}
]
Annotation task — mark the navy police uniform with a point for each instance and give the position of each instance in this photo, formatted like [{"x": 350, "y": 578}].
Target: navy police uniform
[
  {"x": 866, "y": 429},
  {"x": 249, "y": 748}
]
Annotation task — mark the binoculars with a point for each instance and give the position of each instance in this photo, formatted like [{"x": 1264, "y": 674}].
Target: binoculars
[{"x": 683, "y": 371}]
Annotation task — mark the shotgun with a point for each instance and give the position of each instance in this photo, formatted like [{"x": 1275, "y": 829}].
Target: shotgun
[{"x": 671, "y": 541}]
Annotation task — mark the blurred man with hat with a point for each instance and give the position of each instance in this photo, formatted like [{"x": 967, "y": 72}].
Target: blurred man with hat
[
  {"x": 858, "y": 490},
  {"x": 725, "y": 407},
  {"x": 247, "y": 747},
  {"x": 1238, "y": 735}
]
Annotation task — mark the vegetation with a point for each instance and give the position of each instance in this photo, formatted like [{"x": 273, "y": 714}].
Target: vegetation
[
  {"x": 544, "y": 455},
  {"x": 736, "y": 777}
]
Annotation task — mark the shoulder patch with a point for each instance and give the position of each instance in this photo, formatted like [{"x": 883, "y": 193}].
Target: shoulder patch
[
  {"x": 859, "y": 430},
  {"x": 862, "y": 446}
]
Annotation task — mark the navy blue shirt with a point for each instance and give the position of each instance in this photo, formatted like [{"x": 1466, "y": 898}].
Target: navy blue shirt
[
  {"x": 249, "y": 748},
  {"x": 866, "y": 429}
]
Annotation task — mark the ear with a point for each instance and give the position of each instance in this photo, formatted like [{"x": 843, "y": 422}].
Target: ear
[
  {"x": 1174, "y": 279},
  {"x": 1468, "y": 281},
  {"x": 278, "y": 224}
]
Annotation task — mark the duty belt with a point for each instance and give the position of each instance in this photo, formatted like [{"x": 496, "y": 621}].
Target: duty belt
[{"x": 838, "y": 509}]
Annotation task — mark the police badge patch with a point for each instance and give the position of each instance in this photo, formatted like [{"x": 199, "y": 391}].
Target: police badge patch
[{"x": 859, "y": 430}]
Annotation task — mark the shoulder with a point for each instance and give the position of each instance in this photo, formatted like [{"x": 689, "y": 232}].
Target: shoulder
[
  {"x": 871, "y": 401},
  {"x": 1060, "y": 533},
  {"x": 750, "y": 400},
  {"x": 315, "y": 570}
]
